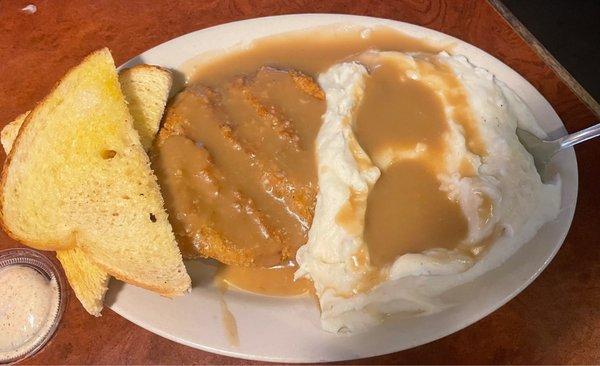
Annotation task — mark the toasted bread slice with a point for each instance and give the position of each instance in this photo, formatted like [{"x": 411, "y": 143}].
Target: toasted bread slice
[
  {"x": 88, "y": 281},
  {"x": 78, "y": 176},
  {"x": 146, "y": 89}
]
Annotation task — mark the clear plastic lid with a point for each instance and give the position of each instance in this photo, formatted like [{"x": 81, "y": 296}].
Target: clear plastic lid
[{"x": 34, "y": 294}]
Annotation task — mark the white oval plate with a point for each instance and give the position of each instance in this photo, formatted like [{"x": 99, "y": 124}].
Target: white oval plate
[{"x": 287, "y": 330}]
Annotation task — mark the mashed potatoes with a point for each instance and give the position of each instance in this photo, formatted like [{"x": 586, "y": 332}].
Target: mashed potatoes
[{"x": 353, "y": 292}]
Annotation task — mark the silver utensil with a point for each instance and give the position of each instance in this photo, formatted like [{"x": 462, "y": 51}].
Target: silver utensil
[{"x": 543, "y": 150}]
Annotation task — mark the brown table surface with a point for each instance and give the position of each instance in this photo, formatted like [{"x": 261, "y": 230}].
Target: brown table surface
[{"x": 555, "y": 320}]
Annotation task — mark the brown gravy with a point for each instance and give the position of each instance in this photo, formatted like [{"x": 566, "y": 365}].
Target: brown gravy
[
  {"x": 235, "y": 129},
  {"x": 397, "y": 113},
  {"x": 236, "y": 162},
  {"x": 408, "y": 213},
  {"x": 277, "y": 281},
  {"x": 310, "y": 52},
  {"x": 406, "y": 210}
]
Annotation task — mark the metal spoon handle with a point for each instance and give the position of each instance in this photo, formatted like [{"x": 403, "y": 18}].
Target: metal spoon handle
[{"x": 580, "y": 136}]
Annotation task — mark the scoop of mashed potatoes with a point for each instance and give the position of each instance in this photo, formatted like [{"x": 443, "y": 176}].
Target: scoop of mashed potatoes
[{"x": 353, "y": 293}]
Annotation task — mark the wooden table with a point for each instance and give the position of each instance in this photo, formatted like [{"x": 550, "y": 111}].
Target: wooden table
[{"x": 555, "y": 320}]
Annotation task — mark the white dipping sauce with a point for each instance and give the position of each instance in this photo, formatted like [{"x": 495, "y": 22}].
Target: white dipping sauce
[{"x": 29, "y": 304}]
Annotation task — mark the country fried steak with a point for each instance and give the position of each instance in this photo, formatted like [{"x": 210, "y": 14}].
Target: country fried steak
[{"x": 236, "y": 166}]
